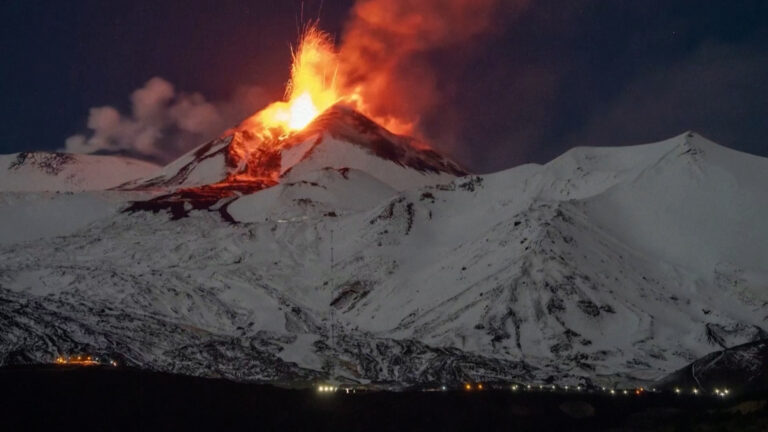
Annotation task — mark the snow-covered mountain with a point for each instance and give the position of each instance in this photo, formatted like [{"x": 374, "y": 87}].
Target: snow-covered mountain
[
  {"x": 350, "y": 253},
  {"x": 43, "y": 194},
  {"x": 339, "y": 138},
  {"x": 64, "y": 172},
  {"x": 740, "y": 370}
]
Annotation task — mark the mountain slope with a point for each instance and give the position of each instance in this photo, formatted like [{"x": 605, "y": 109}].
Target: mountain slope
[
  {"x": 538, "y": 273},
  {"x": 46, "y": 194},
  {"x": 740, "y": 369},
  {"x": 216, "y": 173},
  {"x": 339, "y": 138},
  {"x": 52, "y": 172}
]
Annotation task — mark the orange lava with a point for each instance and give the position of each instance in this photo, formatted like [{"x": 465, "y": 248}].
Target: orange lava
[
  {"x": 311, "y": 90},
  {"x": 316, "y": 83}
]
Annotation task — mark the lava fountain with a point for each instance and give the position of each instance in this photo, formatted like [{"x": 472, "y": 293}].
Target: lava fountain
[{"x": 311, "y": 90}]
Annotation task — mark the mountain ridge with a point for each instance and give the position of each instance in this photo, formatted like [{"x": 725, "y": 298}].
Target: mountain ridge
[{"x": 605, "y": 265}]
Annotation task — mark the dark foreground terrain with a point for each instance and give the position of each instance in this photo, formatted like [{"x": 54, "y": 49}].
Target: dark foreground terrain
[{"x": 85, "y": 398}]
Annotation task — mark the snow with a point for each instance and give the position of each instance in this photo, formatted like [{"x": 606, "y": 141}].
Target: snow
[
  {"x": 301, "y": 351},
  {"x": 203, "y": 165},
  {"x": 698, "y": 206},
  {"x": 42, "y": 171},
  {"x": 52, "y": 194},
  {"x": 293, "y": 155},
  {"x": 335, "y": 153},
  {"x": 32, "y": 216},
  {"x": 621, "y": 263},
  {"x": 314, "y": 193}
]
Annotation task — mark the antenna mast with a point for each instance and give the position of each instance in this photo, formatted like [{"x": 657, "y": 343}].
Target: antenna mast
[{"x": 330, "y": 303}]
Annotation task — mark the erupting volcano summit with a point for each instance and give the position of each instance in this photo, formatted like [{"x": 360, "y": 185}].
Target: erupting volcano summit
[
  {"x": 319, "y": 125},
  {"x": 242, "y": 162}
]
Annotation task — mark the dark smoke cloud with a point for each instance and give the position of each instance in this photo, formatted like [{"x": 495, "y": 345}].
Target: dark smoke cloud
[
  {"x": 715, "y": 91},
  {"x": 163, "y": 122}
]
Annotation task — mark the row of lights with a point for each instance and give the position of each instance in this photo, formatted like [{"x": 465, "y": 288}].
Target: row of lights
[
  {"x": 479, "y": 387},
  {"x": 332, "y": 389},
  {"x": 721, "y": 392},
  {"x": 542, "y": 387},
  {"x": 638, "y": 391},
  {"x": 516, "y": 387},
  {"x": 327, "y": 389},
  {"x": 718, "y": 392}
]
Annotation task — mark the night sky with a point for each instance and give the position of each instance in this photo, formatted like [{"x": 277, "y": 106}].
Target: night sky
[{"x": 547, "y": 77}]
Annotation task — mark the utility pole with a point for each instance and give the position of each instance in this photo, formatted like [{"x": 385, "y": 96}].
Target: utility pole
[{"x": 330, "y": 303}]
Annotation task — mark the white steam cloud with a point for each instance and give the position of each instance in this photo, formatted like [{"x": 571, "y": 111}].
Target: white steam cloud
[{"x": 163, "y": 122}]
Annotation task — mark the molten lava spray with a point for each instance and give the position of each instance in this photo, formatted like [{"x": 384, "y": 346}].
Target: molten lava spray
[
  {"x": 376, "y": 68},
  {"x": 311, "y": 90}
]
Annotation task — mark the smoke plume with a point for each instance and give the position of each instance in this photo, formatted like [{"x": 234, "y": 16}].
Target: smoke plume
[
  {"x": 383, "y": 65},
  {"x": 384, "y": 48},
  {"x": 163, "y": 122}
]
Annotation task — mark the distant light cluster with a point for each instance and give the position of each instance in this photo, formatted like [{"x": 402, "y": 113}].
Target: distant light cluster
[
  {"x": 327, "y": 389},
  {"x": 84, "y": 360}
]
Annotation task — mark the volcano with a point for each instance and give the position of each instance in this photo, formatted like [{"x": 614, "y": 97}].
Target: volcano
[
  {"x": 241, "y": 163},
  {"x": 353, "y": 254}
]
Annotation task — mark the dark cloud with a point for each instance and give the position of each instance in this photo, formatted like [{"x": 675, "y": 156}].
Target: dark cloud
[
  {"x": 610, "y": 73},
  {"x": 716, "y": 90}
]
